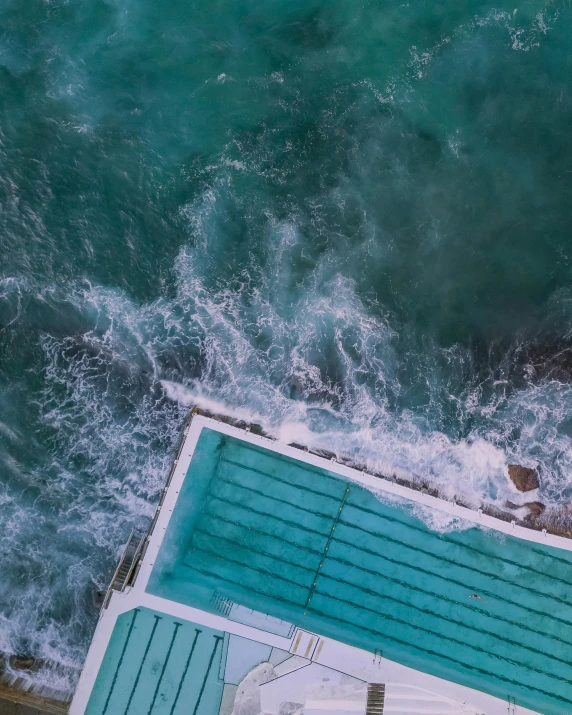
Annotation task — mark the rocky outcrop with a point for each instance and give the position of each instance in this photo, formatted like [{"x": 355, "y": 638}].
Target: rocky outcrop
[
  {"x": 97, "y": 597},
  {"x": 19, "y": 662},
  {"x": 547, "y": 360},
  {"x": 535, "y": 509},
  {"x": 524, "y": 478}
]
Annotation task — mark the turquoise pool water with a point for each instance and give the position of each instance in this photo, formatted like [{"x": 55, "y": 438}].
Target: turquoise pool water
[
  {"x": 258, "y": 529},
  {"x": 159, "y": 665}
]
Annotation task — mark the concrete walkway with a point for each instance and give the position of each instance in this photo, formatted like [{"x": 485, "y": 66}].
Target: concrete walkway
[{"x": 8, "y": 707}]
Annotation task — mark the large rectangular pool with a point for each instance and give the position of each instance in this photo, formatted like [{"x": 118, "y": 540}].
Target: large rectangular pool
[{"x": 256, "y": 528}]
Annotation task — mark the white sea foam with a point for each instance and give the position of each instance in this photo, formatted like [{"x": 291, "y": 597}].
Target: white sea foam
[{"x": 238, "y": 379}]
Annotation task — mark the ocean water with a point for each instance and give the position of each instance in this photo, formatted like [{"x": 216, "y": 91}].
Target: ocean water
[{"x": 349, "y": 221}]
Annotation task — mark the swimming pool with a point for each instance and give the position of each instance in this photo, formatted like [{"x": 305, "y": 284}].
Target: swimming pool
[
  {"x": 159, "y": 665},
  {"x": 256, "y": 528}
]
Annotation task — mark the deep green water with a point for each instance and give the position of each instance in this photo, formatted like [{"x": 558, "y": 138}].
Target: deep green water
[{"x": 347, "y": 220}]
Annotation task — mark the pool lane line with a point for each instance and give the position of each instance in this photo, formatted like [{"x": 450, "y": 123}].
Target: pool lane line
[
  {"x": 280, "y": 480},
  {"x": 266, "y": 515},
  {"x": 425, "y": 532},
  {"x": 444, "y": 538},
  {"x": 177, "y": 626},
  {"x": 409, "y": 644},
  {"x": 406, "y": 565},
  {"x": 136, "y": 683},
  {"x": 202, "y": 690},
  {"x": 325, "y": 552},
  {"x": 494, "y": 675},
  {"x": 304, "y": 466},
  {"x": 459, "y": 565},
  {"x": 197, "y": 634},
  {"x": 109, "y": 694},
  {"x": 411, "y": 545},
  {"x": 369, "y": 591},
  {"x": 415, "y": 550},
  {"x": 265, "y": 495}
]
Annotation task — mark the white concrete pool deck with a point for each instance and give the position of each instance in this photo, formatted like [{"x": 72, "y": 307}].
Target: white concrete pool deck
[{"x": 327, "y": 652}]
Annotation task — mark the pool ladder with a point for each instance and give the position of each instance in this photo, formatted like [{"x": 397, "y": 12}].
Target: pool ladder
[
  {"x": 125, "y": 573},
  {"x": 375, "y": 699},
  {"x": 221, "y": 604}
]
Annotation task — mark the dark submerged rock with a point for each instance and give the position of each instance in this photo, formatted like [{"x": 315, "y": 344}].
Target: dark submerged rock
[
  {"x": 524, "y": 478},
  {"x": 535, "y": 509},
  {"x": 549, "y": 360},
  {"x": 97, "y": 597},
  {"x": 20, "y": 662}
]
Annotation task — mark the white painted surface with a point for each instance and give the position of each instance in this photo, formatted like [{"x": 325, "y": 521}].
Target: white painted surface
[
  {"x": 363, "y": 665},
  {"x": 332, "y": 654},
  {"x": 292, "y": 687},
  {"x": 325, "y": 707},
  {"x": 323, "y": 699},
  {"x": 289, "y": 665},
  {"x": 403, "y": 699}
]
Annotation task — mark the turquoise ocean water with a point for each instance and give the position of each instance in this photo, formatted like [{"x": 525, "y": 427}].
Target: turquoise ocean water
[{"x": 349, "y": 221}]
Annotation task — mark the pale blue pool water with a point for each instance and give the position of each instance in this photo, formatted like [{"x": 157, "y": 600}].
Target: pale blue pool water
[
  {"x": 253, "y": 526},
  {"x": 159, "y": 665}
]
